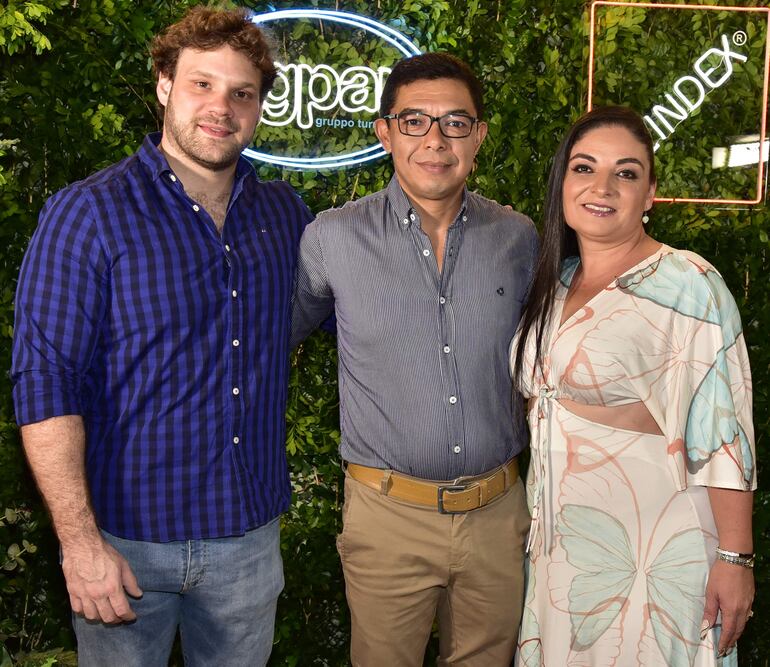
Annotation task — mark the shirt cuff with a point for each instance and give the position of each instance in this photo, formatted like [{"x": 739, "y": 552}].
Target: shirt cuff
[{"x": 39, "y": 397}]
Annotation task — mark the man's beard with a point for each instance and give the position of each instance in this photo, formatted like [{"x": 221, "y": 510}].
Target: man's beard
[{"x": 197, "y": 148}]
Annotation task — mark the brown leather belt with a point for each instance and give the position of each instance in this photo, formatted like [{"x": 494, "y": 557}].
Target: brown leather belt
[{"x": 461, "y": 495}]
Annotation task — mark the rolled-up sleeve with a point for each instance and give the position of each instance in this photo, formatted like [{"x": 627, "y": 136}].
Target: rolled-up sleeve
[{"x": 61, "y": 302}]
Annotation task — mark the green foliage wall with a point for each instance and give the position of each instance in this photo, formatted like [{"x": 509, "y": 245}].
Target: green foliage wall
[
  {"x": 640, "y": 56},
  {"x": 76, "y": 95}
]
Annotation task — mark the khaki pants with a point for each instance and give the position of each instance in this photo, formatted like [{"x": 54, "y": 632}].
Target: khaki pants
[{"x": 406, "y": 564}]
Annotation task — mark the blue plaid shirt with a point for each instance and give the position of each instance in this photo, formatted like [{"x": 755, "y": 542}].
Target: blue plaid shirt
[{"x": 170, "y": 340}]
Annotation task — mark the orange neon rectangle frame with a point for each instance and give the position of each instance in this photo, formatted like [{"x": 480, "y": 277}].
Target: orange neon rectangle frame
[{"x": 762, "y": 131}]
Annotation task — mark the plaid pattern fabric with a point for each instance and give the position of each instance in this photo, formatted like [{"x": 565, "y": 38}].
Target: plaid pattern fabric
[{"x": 172, "y": 342}]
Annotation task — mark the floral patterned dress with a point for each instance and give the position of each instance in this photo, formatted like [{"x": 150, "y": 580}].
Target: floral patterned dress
[{"x": 622, "y": 534}]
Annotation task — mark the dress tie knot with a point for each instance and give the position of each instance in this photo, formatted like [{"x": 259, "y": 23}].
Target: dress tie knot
[{"x": 546, "y": 392}]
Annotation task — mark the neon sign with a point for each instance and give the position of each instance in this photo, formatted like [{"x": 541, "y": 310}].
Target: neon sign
[
  {"x": 691, "y": 90},
  {"x": 327, "y": 97},
  {"x": 631, "y": 50},
  {"x": 325, "y": 89}
]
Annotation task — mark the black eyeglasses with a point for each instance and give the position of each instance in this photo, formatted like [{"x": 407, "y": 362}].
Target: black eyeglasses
[{"x": 418, "y": 124}]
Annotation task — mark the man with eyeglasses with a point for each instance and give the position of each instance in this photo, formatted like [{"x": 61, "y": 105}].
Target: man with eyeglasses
[{"x": 427, "y": 280}]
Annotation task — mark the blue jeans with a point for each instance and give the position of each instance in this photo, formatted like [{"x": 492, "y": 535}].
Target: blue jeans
[{"x": 220, "y": 593}]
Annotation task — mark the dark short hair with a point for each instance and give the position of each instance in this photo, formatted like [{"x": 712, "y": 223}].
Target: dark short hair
[
  {"x": 559, "y": 241},
  {"x": 430, "y": 66},
  {"x": 207, "y": 29}
]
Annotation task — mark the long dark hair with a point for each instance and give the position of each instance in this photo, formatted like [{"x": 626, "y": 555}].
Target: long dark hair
[{"x": 559, "y": 240}]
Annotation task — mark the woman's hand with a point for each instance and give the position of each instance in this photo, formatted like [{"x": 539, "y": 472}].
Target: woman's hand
[
  {"x": 730, "y": 590},
  {"x": 730, "y": 587}
]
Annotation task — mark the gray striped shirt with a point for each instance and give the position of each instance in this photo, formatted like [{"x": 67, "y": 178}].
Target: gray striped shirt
[{"x": 423, "y": 355}]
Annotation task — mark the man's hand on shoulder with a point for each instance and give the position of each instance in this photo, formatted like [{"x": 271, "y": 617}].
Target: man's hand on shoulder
[{"x": 98, "y": 578}]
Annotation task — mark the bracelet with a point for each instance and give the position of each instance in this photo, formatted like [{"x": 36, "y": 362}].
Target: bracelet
[{"x": 734, "y": 558}]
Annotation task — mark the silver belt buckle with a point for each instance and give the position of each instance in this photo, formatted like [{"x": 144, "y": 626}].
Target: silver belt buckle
[{"x": 449, "y": 487}]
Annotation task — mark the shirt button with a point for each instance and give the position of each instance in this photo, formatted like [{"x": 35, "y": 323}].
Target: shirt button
[
  {"x": 457, "y": 449},
  {"x": 235, "y": 293},
  {"x": 236, "y": 391},
  {"x": 405, "y": 221},
  {"x": 453, "y": 399},
  {"x": 236, "y": 440},
  {"x": 426, "y": 252},
  {"x": 442, "y": 300},
  {"x": 236, "y": 343},
  {"x": 447, "y": 349},
  {"x": 411, "y": 217},
  {"x": 465, "y": 218},
  {"x": 227, "y": 247},
  {"x": 196, "y": 208},
  {"x": 173, "y": 178}
]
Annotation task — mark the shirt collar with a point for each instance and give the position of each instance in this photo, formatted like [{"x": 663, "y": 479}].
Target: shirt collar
[
  {"x": 406, "y": 214},
  {"x": 151, "y": 156}
]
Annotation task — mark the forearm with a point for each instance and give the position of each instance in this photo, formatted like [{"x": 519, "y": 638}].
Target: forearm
[
  {"x": 730, "y": 586},
  {"x": 732, "y": 514},
  {"x": 97, "y": 576},
  {"x": 55, "y": 449}
]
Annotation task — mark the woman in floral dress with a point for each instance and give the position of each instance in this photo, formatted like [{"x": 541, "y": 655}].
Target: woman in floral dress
[{"x": 633, "y": 359}]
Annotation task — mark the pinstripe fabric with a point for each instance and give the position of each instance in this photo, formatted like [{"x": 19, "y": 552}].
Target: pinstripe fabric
[
  {"x": 424, "y": 385},
  {"x": 127, "y": 312}
]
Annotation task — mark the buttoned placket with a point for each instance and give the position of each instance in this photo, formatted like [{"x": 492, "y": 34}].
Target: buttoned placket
[
  {"x": 236, "y": 358},
  {"x": 235, "y": 333},
  {"x": 441, "y": 282},
  {"x": 235, "y": 297}
]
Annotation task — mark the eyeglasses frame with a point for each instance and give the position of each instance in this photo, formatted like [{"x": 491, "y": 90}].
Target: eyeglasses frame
[{"x": 433, "y": 119}]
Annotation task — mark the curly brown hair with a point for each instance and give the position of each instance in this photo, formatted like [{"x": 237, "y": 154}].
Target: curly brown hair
[{"x": 206, "y": 29}]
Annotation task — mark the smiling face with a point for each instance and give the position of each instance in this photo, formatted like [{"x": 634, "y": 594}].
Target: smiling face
[
  {"x": 607, "y": 185},
  {"x": 212, "y": 107},
  {"x": 432, "y": 167}
]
